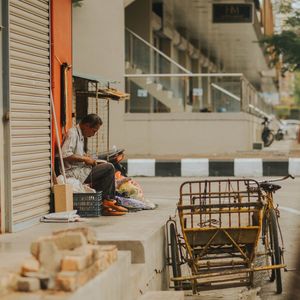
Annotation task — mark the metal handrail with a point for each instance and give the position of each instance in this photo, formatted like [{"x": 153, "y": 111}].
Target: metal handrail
[
  {"x": 211, "y": 75},
  {"x": 158, "y": 51},
  {"x": 185, "y": 75}
]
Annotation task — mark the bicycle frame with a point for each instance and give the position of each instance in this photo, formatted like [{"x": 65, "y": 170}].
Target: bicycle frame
[
  {"x": 274, "y": 246},
  {"x": 268, "y": 199},
  {"x": 270, "y": 205}
]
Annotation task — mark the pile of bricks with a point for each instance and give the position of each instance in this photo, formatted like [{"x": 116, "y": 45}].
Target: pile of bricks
[{"x": 64, "y": 261}]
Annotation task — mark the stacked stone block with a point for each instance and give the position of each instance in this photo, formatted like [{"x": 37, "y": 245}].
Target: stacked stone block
[{"x": 64, "y": 261}]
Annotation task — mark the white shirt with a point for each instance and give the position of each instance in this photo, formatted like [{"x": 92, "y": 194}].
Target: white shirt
[{"x": 74, "y": 144}]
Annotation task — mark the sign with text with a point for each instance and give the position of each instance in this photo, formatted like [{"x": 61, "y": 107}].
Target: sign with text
[
  {"x": 142, "y": 93},
  {"x": 197, "y": 92},
  {"x": 232, "y": 13}
]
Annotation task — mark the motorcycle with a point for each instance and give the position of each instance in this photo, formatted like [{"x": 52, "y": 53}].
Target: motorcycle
[
  {"x": 279, "y": 135},
  {"x": 267, "y": 134}
]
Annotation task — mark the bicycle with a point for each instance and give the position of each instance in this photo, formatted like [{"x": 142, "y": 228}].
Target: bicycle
[{"x": 271, "y": 231}]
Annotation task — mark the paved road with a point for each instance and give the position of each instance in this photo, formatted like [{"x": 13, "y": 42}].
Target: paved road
[{"x": 288, "y": 200}]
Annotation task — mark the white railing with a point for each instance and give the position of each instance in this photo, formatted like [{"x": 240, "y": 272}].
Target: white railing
[
  {"x": 154, "y": 49},
  {"x": 215, "y": 92},
  {"x": 157, "y": 83}
]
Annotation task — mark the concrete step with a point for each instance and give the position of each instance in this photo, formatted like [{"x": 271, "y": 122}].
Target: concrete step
[
  {"x": 137, "y": 280},
  {"x": 169, "y": 94},
  {"x": 156, "y": 90},
  {"x": 163, "y": 295},
  {"x": 111, "y": 284},
  {"x": 140, "y": 238}
]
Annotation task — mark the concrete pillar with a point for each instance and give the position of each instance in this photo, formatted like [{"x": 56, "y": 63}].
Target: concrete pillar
[
  {"x": 137, "y": 13},
  {"x": 196, "y": 84},
  {"x": 207, "y": 103}
]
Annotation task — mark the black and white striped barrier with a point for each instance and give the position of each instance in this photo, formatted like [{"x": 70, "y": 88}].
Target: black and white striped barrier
[{"x": 203, "y": 167}]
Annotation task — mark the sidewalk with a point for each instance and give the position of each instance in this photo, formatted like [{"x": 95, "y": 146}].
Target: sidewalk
[
  {"x": 278, "y": 149},
  {"x": 140, "y": 267},
  {"x": 280, "y": 159}
]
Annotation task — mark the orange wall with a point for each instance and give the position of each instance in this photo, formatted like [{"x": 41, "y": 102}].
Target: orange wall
[{"x": 61, "y": 47}]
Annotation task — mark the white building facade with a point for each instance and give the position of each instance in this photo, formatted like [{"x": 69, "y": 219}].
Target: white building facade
[{"x": 175, "y": 40}]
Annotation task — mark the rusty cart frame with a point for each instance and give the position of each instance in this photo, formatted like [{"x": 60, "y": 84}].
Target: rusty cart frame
[{"x": 221, "y": 224}]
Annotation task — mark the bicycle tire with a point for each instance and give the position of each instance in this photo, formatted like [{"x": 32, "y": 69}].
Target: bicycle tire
[
  {"x": 267, "y": 244},
  {"x": 275, "y": 248},
  {"x": 175, "y": 263}
]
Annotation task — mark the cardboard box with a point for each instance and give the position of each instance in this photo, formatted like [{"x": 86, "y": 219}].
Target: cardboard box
[{"x": 63, "y": 197}]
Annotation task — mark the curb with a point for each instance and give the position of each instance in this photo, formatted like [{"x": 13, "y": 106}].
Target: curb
[{"x": 189, "y": 167}]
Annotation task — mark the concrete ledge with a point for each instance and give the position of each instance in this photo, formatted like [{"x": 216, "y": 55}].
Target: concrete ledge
[
  {"x": 163, "y": 295},
  {"x": 188, "y": 167},
  {"x": 194, "y": 167},
  {"x": 110, "y": 284},
  {"x": 248, "y": 167},
  {"x": 136, "y": 249},
  {"x": 139, "y": 269},
  {"x": 294, "y": 166},
  {"x": 141, "y": 167}
]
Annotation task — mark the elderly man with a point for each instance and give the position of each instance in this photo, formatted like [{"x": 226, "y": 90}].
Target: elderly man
[{"x": 79, "y": 165}]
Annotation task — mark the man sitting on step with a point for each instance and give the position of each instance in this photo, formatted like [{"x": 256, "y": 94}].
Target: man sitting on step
[{"x": 100, "y": 175}]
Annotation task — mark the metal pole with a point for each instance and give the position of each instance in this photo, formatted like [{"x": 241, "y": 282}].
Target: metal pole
[
  {"x": 57, "y": 137},
  {"x": 184, "y": 75},
  {"x": 107, "y": 128},
  {"x": 97, "y": 111}
]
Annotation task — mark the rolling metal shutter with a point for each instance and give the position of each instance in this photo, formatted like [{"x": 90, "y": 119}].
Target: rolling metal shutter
[{"x": 30, "y": 123}]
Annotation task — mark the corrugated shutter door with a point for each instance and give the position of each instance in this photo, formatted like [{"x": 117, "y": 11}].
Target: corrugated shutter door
[{"x": 29, "y": 63}]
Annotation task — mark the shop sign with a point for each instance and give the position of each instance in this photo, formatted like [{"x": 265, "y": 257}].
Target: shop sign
[
  {"x": 232, "y": 13},
  {"x": 197, "y": 92}
]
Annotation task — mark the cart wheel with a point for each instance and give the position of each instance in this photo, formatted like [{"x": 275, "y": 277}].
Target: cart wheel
[
  {"x": 274, "y": 249},
  {"x": 175, "y": 256}
]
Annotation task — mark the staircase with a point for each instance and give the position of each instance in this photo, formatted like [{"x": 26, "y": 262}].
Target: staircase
[{"x": 156, "y": 90}]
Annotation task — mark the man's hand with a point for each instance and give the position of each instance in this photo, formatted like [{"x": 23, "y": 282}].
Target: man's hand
[{"x": 90, "y": 161}]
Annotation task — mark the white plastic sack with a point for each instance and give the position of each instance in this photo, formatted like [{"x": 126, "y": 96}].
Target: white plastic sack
[{"x": 77, "y": 186}]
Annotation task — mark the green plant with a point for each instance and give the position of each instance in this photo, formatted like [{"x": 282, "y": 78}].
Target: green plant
[{"x": 284, "y": 47}]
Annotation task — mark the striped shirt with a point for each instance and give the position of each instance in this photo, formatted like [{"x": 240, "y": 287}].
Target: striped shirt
[{"x": 74, "y": 144}]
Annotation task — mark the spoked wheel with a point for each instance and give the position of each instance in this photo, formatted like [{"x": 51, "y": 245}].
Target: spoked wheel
[
  {"x": 273, "y": 249},
  {"x": 175, "y": 261}
]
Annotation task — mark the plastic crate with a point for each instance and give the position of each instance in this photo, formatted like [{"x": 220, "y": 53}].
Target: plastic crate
[{"x": 88, "y": 204}]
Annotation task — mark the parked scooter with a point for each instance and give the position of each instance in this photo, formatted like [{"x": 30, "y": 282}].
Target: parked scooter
[
  {"x": 267, "y": 134},
  {"x": 279, "y": 135}
]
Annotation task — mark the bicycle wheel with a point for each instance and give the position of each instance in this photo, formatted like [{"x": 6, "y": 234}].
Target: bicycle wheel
[
  {"x": 275, "y": 250},
  {"x": 176, "y": 269},
  {"x": 268, "y": 242}
]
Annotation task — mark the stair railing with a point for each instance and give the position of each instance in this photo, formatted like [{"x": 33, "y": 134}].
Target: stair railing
[{"x": 155, "y": 50}]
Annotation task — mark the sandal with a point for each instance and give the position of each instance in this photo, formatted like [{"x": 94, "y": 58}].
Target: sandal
[
  {"x": 112, "y": 204},
  {"x": 107, "y": 211}
]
